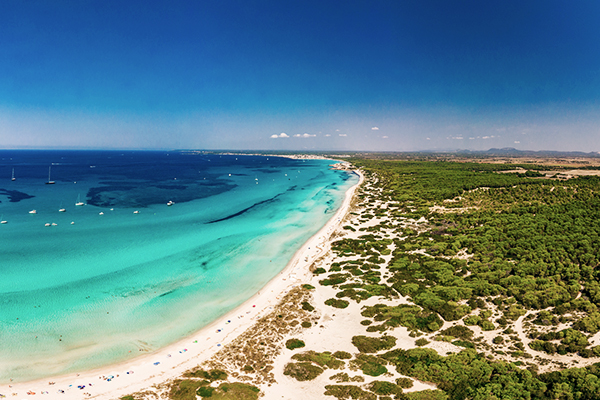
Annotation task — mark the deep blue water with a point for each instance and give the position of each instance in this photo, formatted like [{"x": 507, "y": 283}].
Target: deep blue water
[{"x": 105, "y": 282}]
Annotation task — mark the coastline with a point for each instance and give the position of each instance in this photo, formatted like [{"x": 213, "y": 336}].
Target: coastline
[{"x": 173, "y": 360}]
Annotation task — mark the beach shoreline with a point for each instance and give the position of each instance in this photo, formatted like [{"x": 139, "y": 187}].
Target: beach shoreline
[{"x": 170, "y": 362}]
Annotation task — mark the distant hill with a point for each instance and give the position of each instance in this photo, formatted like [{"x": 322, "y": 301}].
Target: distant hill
[{"x": 510, "y": 151}]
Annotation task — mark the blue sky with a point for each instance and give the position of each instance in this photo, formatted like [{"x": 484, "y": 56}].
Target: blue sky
[{"x": 329, "y": 75}]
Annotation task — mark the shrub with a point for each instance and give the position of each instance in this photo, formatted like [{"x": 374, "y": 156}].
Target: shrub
[
  {"x": 306, "y": 324},
  {"x": 212, "y": 375},
  {"x": 405, "y": 383},
  {"x": 307, "y": 286},
  {"x": 472, "y": 320},
  {"x": 366, "y": 344},
  {"x": 302, "y": 371},
  {"x": 205, "y": 391},
  {"x": 325, "y": 359},
  {"x": 498, "y": 340},
  {"x": 307, "y": 306},
  {"x": 184, "y": 389},
  {"x": 458, "y": 331},
  {"x": 236, "y": 391},
  {"x": 427, "y": 394},
  {"x": 342, "y": 355},
  {"x": 348, "y": 392},
  {"x": 369, "y": 365},
  {"x": 486, "y": 325},
  {"x": 292, "y": 344},
  {"x": 336, "y": 303},
  {"x": 421, "y": 342},
  {"x": 384, "y": 388}
]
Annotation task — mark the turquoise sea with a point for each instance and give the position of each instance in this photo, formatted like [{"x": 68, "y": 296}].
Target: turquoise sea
[{"x": 94, "y": 288}]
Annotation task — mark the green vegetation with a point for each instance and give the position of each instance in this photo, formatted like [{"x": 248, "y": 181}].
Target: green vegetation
[
  {"x": 311, "y": 364},
  {"x": 370, "y": 365},
  {"x": 343, "y": 377},
  {"x": 303, "y": 371},
  {"x": 366, "y": 344},
  {"x": 234, "y": 391},
  {"x": 384, "y": 388},
  {"x": 342, "y": 355},
  {"x": 426, "y": 395},
  {"x": 412, "y": 317},
  {"x": 336, "y": 303},
  {"x": 292, "y": 344},
  {"x": 471, "y": 244},
  {"x": 458, "y": 331},
  {"x": 348, "y": 392},
  {"x": 212, "y": 375},
  {"x": 205, "y": 391},
  {"x": 185, "y": 389},
  {"x": 325, "y": 359},
  {"x": 306, "y": 306},
  {"x": 405, "y": 383}
]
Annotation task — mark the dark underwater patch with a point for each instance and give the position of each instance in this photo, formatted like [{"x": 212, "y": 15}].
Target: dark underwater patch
[
  {"x": 244, "y": 210},
  {"x": 14, "y": 196},
  {"x": 147, "y": 194}
]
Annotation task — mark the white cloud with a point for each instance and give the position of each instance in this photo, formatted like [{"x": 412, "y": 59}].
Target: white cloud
[
  {"x": 374, "y": 128},
  {"x": 281, "y": 135},
  {"x": 517, "y": 142},
  {"x": 327, "y": 135},
  {"x": 305, "y": 135},
  {"x": 471, "y": 138},
  {"x": 485, "y": 137},
  {"x": 428, "y": 138},
  {"x": 343, "y": 135},
  {"x": 337, "y": 130},
  {"x": 384, "y": 137}
]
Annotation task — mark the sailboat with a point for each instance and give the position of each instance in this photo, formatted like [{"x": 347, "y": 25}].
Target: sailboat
[
  {"x": 13, "y": 175},
  {"x": 61, "y": 209},
  {"x": 2, "y": 220},
  {"x": 79, "y": 202},
  {"x": 49, "y": 181}
]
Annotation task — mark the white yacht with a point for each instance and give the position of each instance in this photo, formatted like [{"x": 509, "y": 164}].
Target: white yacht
[{"x": 50, "y": 182}]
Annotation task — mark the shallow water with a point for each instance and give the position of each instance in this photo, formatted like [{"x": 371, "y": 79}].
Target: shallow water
[{"x": 95, "y": 292}]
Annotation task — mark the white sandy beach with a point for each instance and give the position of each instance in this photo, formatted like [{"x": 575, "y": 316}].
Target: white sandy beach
[{"x": 115, "y": 381}]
